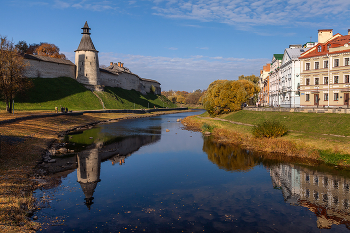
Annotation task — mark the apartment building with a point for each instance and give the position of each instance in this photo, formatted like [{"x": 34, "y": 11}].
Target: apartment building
[
  {"x": 264, "y": 85},
  {"x": 325, "y": 71}
]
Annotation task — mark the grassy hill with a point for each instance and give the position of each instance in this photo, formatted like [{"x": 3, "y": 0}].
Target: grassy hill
[{"x": 48, "y": 93}]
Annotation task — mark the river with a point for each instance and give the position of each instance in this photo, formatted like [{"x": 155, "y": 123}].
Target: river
[{"x": 152, "y": 175}]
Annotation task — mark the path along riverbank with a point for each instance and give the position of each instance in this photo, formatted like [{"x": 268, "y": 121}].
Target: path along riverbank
[
  {"x": 23, "y": 142},
  {"x": 308, "y": 145}
]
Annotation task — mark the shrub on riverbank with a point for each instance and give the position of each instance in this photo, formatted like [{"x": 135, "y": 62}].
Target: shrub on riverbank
[{"x": 269, "y": 129}]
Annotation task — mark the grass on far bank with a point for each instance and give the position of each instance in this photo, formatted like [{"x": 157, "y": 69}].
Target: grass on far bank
[
  {"x": 316, "y": 136},
  {"x": 48, "y": 93}
]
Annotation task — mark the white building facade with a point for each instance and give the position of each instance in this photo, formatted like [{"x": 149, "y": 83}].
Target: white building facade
[{"x": 290, "y": 77}]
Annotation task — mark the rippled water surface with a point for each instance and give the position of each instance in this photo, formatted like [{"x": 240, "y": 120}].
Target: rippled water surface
[{"x": 134, "y": 176}]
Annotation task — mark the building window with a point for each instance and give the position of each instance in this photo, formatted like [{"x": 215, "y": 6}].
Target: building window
[
  {"x": 319, "y": 49},
  {"x": 307, "y": 66},
  {"x": 336, "y": 79},
  {"x": 317, "y": 65},
  {"x": 307, "y": 81},
  {"x": 336, "y": 62},
  {"x": 336, "y": 96},
  {"x": 325, "y": 96},
  {"x": 328, "y": 46},
  {"x": 307, "y": 97},
  {"x": 325, "y": 80},
  {"x": 317, "y": 82},
  {"x": 346, "y": 62},
  {"x": 325, "y": 64},
  {"x": 347, "y": 78}
]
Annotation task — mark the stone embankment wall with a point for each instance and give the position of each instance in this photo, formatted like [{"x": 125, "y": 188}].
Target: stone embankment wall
[
  {"x": 45, "y": 69},
  {"x": 307, "y": 110}
]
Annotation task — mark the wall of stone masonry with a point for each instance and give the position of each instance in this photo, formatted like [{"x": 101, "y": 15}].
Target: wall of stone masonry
[
  {"x": 128, "y": 82},
  {"x": 148, "y": 85},
  {"x": 45, "y": 69}
]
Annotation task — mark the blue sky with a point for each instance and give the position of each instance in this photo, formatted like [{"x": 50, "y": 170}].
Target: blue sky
[{"x": 183, "y": 44}]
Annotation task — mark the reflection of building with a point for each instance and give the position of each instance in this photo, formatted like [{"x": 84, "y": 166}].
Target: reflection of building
[
  {"x": 89, "y": 161},
  {"x": 324, "y": 194}
]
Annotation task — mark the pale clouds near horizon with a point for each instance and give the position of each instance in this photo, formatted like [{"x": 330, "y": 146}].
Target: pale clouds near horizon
[{"x": 188, "y": 74}]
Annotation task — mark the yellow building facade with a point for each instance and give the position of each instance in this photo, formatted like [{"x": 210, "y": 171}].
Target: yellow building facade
[{"x": 325, "y": 71}]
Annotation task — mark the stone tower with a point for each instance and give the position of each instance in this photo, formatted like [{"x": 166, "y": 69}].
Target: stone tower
[{"x": 86, "y": 60}]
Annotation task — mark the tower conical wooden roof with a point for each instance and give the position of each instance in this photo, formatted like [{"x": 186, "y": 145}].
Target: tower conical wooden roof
[{"x": 86, "y": 42}]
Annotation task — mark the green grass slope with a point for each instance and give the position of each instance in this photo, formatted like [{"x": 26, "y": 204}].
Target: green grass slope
[
  {"x": 48, "y": 93},
  {"x": 320, "y": 123},
  {"x": 118, "y": 98}
]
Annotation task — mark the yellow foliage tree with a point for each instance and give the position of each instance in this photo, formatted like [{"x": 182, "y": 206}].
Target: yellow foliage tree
[
  {"x": 225, "y": 96},
  {"x": 49, "y": 50}
]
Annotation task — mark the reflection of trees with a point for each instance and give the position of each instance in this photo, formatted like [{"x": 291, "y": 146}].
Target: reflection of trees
[{"x": 229, "y": 158}]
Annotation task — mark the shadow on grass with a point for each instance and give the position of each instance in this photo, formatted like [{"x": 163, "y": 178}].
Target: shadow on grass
[{"x": 47, "y": 89}]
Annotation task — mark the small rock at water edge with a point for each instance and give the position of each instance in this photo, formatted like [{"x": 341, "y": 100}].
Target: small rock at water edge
[
  {"x": 207, "y": 133},
  {"x": 52, "y": 161},
  {"x": 167, "y": 130}
]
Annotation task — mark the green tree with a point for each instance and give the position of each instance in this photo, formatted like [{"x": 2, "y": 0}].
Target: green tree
[{"x": 11, "y": 72}]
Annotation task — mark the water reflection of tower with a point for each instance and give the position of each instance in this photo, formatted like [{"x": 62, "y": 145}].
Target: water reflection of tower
[{"x": 88, "y": 173}]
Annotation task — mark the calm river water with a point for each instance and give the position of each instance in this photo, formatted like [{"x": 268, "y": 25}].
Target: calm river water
[{"x": 134, "y": 176}]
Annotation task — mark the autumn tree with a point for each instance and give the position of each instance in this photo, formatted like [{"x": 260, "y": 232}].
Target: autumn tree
[
  {"x": 11, "y": 72},
  {"x": 49, "y": 50},
  {"x": 22, "y": 47},
  {"x": 255, "y": 80},
  {"x": 224, "y": 96},
  {"x": 193, "y": 98},
  {"x": 251, "y": 78}
]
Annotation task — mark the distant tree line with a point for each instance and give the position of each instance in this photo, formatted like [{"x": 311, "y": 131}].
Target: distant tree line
[{"x": 184, "y": 97}]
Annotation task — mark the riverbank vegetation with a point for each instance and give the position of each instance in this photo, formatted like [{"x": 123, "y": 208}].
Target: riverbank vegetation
[
  {"x": 48, "y": 93},
  {"x": 323, "y": 137}
]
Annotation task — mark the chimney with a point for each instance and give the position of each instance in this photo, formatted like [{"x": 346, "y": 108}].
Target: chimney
[
  {"x": 119, "y": 64},
  {"x": 111, "y": 63},
  {"x": 324, "y": 35}
]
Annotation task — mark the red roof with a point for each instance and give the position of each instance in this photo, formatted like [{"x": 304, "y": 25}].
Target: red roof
[{"x": 337, "y": 41}]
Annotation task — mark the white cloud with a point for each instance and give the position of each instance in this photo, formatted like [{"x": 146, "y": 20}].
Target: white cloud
[
  {"x": 253, "y": 12},
  {"x": 172, "y": 48},
  {"x": 195, "y": 72},
  {"x": 86, "y": 5}
]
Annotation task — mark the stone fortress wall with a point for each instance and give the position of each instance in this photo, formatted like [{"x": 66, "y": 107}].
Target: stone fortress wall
[
  {"x": 86, "y": 69},
  {"x": 46, "y": 67}
]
